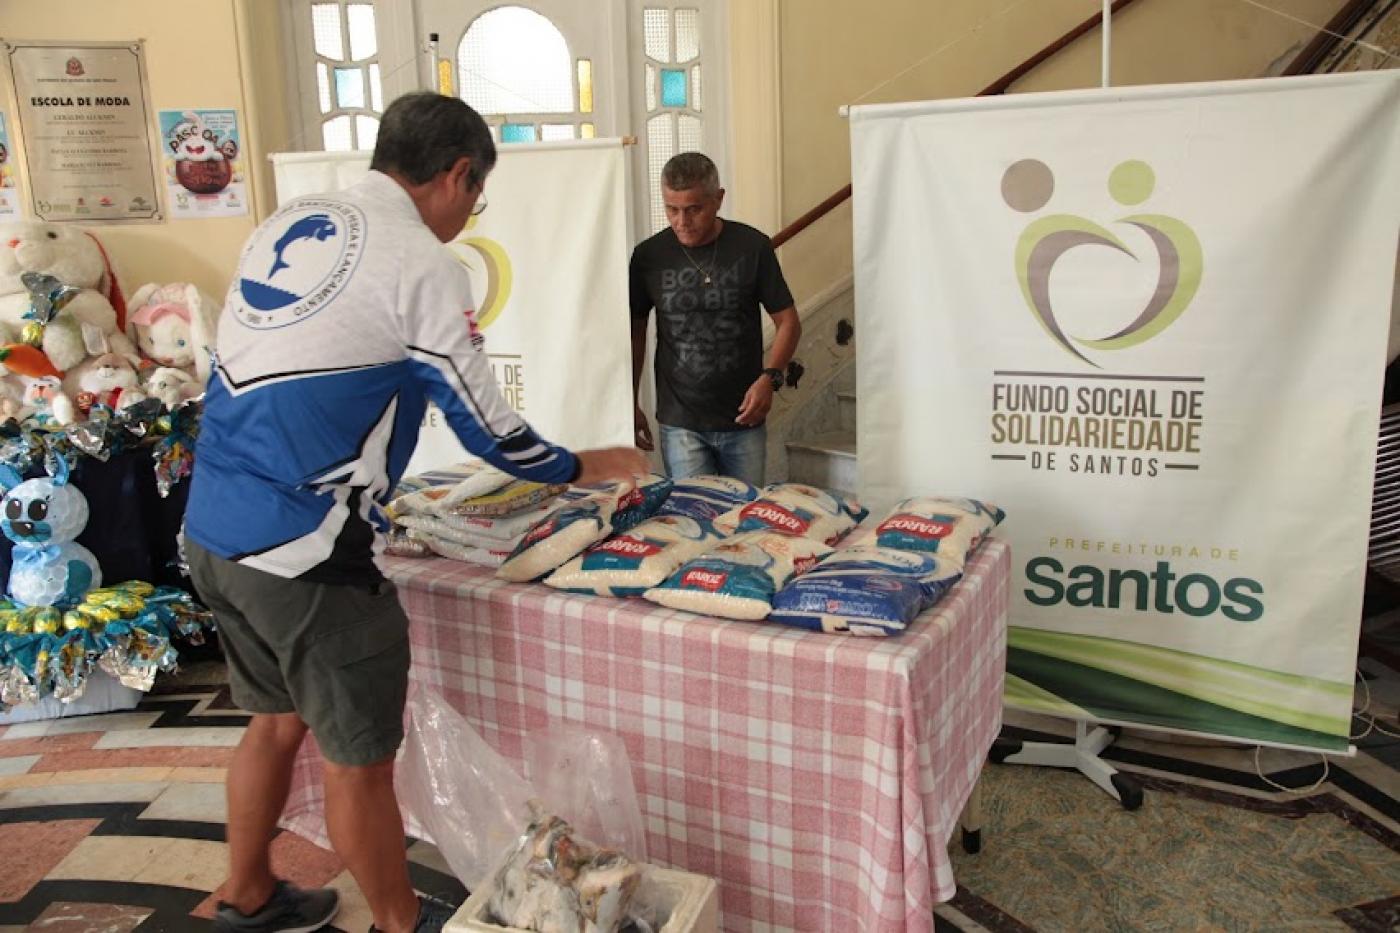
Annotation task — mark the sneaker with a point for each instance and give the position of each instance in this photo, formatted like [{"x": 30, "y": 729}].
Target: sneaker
[
  {"x": 288, "y": 910},
  {"x": 433, "y": 915}
]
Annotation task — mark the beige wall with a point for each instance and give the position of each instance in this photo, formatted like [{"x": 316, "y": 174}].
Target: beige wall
[
  {"x": 193, "y": 60},
  {"x": 836, "y": 52}
]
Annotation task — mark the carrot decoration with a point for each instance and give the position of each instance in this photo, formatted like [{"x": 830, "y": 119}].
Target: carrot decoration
[{"x": 24, "y": 360}]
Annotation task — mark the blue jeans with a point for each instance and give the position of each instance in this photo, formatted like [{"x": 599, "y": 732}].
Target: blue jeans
[{"x": 740, "y": 454}]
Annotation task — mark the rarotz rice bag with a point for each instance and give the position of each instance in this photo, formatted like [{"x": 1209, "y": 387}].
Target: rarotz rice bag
[
  {"x": 951, "y": 528},
  {"x": 865, "y": 591},
  {"x": 737, "y": 578},
  {"x": 706, "y": 498},
  {"x": 563, "y": 533},
  {"x": 629, "y": 564},
  {"x": 641, "y": 502},
  {"x": 794, "y": 509}
]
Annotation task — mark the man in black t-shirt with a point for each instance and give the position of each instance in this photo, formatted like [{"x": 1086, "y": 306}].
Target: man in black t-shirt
[{"x": 706, "y": 278}]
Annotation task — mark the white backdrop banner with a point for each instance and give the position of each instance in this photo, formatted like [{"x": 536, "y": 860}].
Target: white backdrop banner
[
  {"x": 1151, "y": 324},
  {"x": 548, "y": 262}
]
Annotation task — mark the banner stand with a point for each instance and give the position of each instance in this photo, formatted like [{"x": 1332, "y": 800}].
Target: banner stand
[{"x": 1083, "y": 756}]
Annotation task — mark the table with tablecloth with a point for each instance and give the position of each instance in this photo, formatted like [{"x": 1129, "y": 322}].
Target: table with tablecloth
[{"x": 818, "y": 778}]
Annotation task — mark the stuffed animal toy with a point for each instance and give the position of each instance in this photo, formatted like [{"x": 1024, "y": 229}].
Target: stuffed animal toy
[
  {"x": 172, "y": 386},
  {"x": 91, "y": 322},
  {"x": 43, "y": 517},
  {"x": 174, "y": 325},
  {"x": 45, "y": 401},
  {"x": 111, "y": 381}
]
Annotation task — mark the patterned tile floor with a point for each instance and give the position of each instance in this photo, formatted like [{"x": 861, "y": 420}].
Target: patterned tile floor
[{"x": 115, "y": 823}]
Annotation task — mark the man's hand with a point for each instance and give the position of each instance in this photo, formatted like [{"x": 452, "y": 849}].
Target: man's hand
[
  {"x": 757, "y": 401},
  {"x": 611, "y": 463},
  {"x": 644, "y": 439}
]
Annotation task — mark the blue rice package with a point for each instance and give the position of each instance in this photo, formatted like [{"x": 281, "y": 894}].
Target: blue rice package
[
  {"x": 641, "y": 503},
  {"x": 865, "y": 590},
  {"x": 706, "y": 498}
]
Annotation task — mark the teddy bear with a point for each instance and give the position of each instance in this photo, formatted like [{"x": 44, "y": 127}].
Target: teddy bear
[
  {"x": 92, "y": 322},
  {"x": 174, "y": 325},
  {"x": 172, "y": 386},
  {"x": 43, "y": 517}
]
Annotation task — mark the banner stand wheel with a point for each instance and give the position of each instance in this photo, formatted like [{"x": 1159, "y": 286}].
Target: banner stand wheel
[{"x": 1083, "y": 756}]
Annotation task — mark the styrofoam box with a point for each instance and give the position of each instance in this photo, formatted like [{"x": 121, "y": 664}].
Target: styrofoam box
[
  {"x": 693, "y": 902},
  {"x": 103, "y": 694}
]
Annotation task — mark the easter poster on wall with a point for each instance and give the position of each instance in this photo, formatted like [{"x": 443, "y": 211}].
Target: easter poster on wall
[
  {"x": 9, "y": 192},
  {"x": 203, "y": 165}
]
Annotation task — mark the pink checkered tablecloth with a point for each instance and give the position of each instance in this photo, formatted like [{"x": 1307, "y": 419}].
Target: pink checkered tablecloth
[{"x": 818, "y": 778}]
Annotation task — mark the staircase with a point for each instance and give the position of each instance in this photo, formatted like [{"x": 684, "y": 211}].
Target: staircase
[{"x": 822, "y": 452}]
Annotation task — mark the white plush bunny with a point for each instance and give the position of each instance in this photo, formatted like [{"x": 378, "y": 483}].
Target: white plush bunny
[
  {"x": 112, "y": 381},
  {"x": 87, "y": 325},
  {"x": 172, "y": 386},
  {"x": 174, "y": 325}
]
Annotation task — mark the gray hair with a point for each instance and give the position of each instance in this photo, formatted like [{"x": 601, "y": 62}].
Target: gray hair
[
  {"x": 691, "y": 170},
  {"x": 423, "y": 134}
]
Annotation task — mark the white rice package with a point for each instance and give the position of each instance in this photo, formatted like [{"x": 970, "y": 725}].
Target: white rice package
[
  {"x": 585, "y": 517},
  {"x": 491, "y": 533},
  {"x": 737, "y": 578},
  {"x": 461, "y": 552},
  {"x": 949, "y": 527},
  {"x": 706, "y": 498},
  {"x": 795, "y": 509},
  {"x": 423, "y": 494},
  {"x": 865, "y": 591},
  {"x": 631, "y": 563}
]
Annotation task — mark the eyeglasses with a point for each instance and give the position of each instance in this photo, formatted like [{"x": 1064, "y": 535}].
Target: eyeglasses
[{"x": 480, "y": 206}]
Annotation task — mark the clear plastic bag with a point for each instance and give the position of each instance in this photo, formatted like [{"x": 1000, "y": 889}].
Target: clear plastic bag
[
  {"x": 585, "y": 778},
  {"x": 467, "y": 798},
  {"x": 474, "y": 806}
]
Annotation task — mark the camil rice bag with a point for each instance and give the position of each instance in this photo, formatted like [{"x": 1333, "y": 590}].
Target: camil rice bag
[
  {"x": 950, "y": 528},
  {"x": 737, "y": 578},
  {"x": 706, "y": 498},
  {"x": 865, "y": 591},
  {"x": 630, "y": 564},
  {"x": 793, "y": 509}
]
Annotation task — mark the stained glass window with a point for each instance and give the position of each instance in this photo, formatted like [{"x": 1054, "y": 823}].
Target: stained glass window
[
  {"x": 513, "y": 60},
  {"x": 673, "y": 71},
  {"x": 673, "y": 91},
  {"x": 518, "y": 133},
  {"x": 348, "y": 88}
]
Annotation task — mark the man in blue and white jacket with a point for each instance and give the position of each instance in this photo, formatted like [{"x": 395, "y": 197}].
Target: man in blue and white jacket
[{"x": 345, "y": 318}]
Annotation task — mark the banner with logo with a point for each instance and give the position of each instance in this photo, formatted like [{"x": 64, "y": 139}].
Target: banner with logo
[
  {"x": 548, "y": 263},
  {"x": 1151, "y": 324}
]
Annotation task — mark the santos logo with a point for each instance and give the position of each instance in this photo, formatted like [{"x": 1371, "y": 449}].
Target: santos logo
[
  {"x": 1158, "y": 591},
  {"x": 1027, "y": 187}
]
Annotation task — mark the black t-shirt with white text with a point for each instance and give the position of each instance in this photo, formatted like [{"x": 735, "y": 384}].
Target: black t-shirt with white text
[{"x": 709, "y": 337}]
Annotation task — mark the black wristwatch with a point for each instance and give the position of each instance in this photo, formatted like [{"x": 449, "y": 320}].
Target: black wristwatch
[{"x": 775, "y": 376}]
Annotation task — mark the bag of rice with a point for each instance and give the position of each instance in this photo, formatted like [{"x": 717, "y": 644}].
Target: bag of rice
[
  {"x": 706, "y": 498},
  {"x": 464, "y": 480},
  {"x": 401, "y": 543},
  {"x": 793, "y": 509},
  {"x": 567, "y": 530},
  {"x": 950, "y": 528},
  {"x": 454, "y": 551},
  {"x": 498, "y": 533},
  {"x": 630, "y": 564},
  {"x": 737, "y": 578},
  {"x": 516, "y": 496},
  {"x": 865, "y": 591},
  {"x": 641, "y": 502}
]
